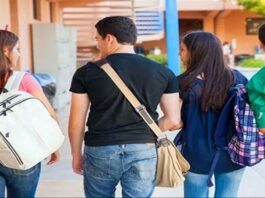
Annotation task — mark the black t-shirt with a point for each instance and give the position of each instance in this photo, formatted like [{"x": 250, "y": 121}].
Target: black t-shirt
[{"x": 112, "y": 120}]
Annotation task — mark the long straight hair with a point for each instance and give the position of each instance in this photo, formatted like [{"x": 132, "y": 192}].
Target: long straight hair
[
  {"x": 206, "y": 57},
  {"x": 7, "y": 40}
]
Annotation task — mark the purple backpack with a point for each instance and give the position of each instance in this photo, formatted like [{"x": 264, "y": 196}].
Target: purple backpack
[{"x": 247, "y": 146}]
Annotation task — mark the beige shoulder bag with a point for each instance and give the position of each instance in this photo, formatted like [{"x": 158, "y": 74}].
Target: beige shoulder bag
[{"x": 171, "y": 164}]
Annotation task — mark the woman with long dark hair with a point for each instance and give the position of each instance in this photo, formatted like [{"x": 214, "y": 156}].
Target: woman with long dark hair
[
  {"x": 19, "y": 183},
  {"x": 204, "y": 90}
]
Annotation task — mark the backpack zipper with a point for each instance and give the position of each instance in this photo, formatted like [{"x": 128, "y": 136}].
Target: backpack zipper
[
  {"x": 17, "y": 103},
  {"x": 11, "y": 148},
  {"x": 8, "y": 99}
]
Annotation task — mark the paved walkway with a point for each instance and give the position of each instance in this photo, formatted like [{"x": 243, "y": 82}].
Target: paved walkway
[{"x": 59, "y": 181}]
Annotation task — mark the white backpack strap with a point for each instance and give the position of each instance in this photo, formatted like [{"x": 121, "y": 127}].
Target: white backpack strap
[{"x": 14, "y": 80}]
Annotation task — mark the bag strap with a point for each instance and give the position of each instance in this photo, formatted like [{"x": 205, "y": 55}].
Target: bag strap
[
  {"x": 139, "y": 108},
  {"x": 14, "y": 81},
  {"x": 220, "y": 133}
]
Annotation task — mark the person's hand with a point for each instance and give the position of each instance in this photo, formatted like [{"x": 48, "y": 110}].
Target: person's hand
[
  {"x": 179, "y": 126},
  {"x": 77, "y": 164},
  {"x": 55, "y": 157},
  {"x": 262, "y": 130}
]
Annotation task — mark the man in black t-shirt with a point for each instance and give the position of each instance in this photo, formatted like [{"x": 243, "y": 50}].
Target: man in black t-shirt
[{"x": 119, "y": 146}]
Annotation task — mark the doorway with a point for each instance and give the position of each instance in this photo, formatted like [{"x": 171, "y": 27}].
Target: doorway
[{"x": 186, "y": 25}]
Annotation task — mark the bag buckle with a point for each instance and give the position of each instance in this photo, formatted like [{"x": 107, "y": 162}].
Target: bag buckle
[
  {"x": 163, "y": 142},
  {"x": 144, "y": 114}
]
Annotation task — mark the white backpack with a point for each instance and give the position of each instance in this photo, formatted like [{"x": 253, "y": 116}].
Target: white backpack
[{"x": 28, "y": 133}]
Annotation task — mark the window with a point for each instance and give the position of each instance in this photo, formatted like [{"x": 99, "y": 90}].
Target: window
[
  {"x": 253, "y": 24},
  {"x": 187, "y": 25}
]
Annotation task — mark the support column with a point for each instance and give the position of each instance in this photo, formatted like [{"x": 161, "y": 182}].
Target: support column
[
  {"x": 14, "y": 16},
  {"x": 172, "y": 36},
  {"x": 208, "y": 21},
  {"x": 56, "y": 12}
]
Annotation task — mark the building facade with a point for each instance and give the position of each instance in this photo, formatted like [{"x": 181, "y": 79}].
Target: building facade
[
  {"x": 19, "y": 15},
  {"x": 224, "y": 18}
]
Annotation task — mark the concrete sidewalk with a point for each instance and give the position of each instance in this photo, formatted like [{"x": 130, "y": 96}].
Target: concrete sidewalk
[{"x": 59, "y": 181}]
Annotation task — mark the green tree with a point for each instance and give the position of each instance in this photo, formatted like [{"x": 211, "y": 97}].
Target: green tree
[{"x": 257, "y": 6}]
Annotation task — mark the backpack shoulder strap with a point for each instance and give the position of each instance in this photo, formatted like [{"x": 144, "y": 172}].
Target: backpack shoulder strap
[
  {"x": 14, "y": 80},
  {"x": 220, "y": 134}
]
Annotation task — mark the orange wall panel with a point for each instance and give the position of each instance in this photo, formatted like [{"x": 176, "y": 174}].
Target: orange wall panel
[
  {"x": 25, "y": 19},
  {"x": 5, "y": 14},
  {"x": 233, "y": 26},
  {"x": 230, "y": 25}
]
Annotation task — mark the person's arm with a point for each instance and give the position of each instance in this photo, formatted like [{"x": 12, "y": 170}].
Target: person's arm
[
  {"x": 55, "y": 157},
  {"x": 78, "y": 114},
  {"x": 170, "y": 105},
  {"x": 256, "y": 93}
]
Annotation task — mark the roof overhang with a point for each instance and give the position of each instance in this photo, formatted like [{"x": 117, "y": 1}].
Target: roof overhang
[{"x": 199, "y": 5}]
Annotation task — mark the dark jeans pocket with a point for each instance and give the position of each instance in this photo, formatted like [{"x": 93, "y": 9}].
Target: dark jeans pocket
[
  {"x": 144, "y": 170},
  {"x": 96, "y": 166}
]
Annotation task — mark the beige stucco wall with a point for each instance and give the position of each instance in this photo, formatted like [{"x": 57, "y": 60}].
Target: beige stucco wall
[
  {"x": 4, "y": 14},
  {"x": 195, "y": 5}
]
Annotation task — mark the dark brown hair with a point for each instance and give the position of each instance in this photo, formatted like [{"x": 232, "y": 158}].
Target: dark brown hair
[
  {"x": 7, "y": 40},
  {"x": 262, "y": 34},
  {"x": 123, "y": 28},
  {"x": 206, "y": 57}
]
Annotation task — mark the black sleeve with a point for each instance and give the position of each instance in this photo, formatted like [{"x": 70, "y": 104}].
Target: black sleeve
[
  {"x": 78, "y": 85},
  {"x": 172, "y": 86}
]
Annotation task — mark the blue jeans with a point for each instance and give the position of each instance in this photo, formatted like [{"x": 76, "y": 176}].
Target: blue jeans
[
  {"x": 133, "y": 165},
  {"x": 226, "y": 184},
  {"x": 19, "y": 183}
]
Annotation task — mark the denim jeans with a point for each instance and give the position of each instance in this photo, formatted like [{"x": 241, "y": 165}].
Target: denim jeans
[
  {"x": 19, "y": 183},
  {"x": 133, "y": 165},
  {"x": 226, "y": 184}
]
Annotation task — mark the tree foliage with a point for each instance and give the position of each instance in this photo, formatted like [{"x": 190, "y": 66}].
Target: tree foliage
[{"x": 257, "y": 6}]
